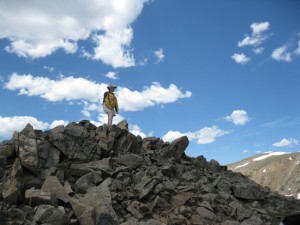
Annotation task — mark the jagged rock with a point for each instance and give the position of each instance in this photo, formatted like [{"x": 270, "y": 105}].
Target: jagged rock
[
  {"x": 34, "y": 197},
  {"x": 203, "y": 216},
  {"x": 253, "y": 220},
  {"x": 105, "y": 166},
  {"x": 17, "y": 170},
  {"x": 131, "y": 160},
  {"x": 26, "y": 143},
  {"x": 246, "y": 191},
  {"x": 34, "y": 153},
  {"x": 96, "y": 203},
  {"x": 3, "y": 162},
  {"x": 53, "y": 186},
  {"x": 87, "y": 181},
  {"x": 177, "y": 148},
  {"x": 123, "y": 125},
  {"x": 112, "y": 177},
  {"x": 7, "y": 149},
  {"x": 230, "y": 222},
  {"x": 47, "y": 214},
  {"x": 11, "y": 191}
]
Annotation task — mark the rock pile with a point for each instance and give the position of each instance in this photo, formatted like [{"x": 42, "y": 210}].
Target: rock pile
[{"x": 83, "y": 174}]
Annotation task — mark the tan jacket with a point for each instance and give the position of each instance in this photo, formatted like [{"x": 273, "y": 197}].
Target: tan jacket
[{"x": 111, "y": 102}]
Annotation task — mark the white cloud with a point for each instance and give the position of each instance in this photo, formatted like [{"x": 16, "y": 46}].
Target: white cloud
[
  {"x": 281, "y": 54},
  {"x": 113, "y": 48},
  {"x": 136, "y": 130},
  {"x": 257, "y": 37},
  {"x": 172, "y": 135},
  {"x": 159, "y": 55},
  {"x": 56, "y": 123},
  {"x": 112, "y": 75},
  {"x": 41, "y": 28},
  {"x": 71, "y": 89},
  {"x": 49, "y": 68},
  {"x": 258, "y": 28},
  {"x": 297, "y": 50},
  {"x": 286, "y": 142},
  {"x": 240, "y": 58},
  {"x": 10, "y": 124},
  {"x": 150, "y": 96},
  {"x": 209, "y": 134},
  {"x": 238, "y": 117},
  {"x": 245, "y": 151},
  {"x": 67, "y": 88},
  {"x": 258, "y": 51},
  {"x": 205, "y": 135},
  {"x": 88, "y": 108}
]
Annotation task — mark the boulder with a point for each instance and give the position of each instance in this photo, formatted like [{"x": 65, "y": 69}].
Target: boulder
[
  {"x": 34, "y": 197},
  {"x": 177, "y": 148},
  {"x": 53, "y": 186},
  {"x": 48, "y": 214}
]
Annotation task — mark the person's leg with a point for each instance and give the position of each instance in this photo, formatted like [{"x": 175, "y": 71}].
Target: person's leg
[{"x": 110, "y": 118}]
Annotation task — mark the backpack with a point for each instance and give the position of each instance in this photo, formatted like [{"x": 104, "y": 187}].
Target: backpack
[{"x": 105, "y": 95}]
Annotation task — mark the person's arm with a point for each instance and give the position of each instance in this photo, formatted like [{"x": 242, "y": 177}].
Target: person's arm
[{"x": 117, "y": 106}]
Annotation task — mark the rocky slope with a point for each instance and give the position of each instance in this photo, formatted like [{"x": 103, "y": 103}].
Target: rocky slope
[
  {"x": 278, "y": 170},
  {"x": 83, "y": 174}
]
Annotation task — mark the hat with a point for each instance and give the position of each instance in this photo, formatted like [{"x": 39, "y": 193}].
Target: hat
[{"x": 111, "y": 86}]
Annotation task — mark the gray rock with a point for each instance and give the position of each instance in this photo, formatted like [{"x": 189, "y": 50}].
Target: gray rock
[
  {"x": 96, "y": 203},
  {"x": 88, "y": 180},
  {"x": 177, "y": 148},
  {"x": 248, "y": 191},
  {"x": 131, "y": 160},
  {"x": 53, "y": 186},
  {"x": 34, "y": 197},
  {"x": 48, "y": 214},
  {"x": 17, "y": 170},
  {"x": 146, "y": 182},
  {"x": 123, "y": 125},
  {"x": 11, "y": 191},
  {"x": 7, "y": 149}
]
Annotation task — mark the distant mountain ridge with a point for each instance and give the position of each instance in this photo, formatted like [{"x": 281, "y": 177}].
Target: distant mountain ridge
[{"x": 280, "y": 171}]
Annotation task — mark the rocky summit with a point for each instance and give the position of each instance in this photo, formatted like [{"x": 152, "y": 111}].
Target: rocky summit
[{"x": 83, "y": 174}]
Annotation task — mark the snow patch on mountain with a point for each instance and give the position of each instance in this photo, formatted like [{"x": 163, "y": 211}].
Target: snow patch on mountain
[
  {"x": 269, "y": 155},
  {"x": 242, "y": 165}
]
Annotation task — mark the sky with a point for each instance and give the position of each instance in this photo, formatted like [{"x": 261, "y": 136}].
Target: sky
[{"x": 224, "y": 73}]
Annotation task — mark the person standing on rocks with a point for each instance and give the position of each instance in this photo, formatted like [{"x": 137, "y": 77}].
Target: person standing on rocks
[{"x": 110, "y": 104}]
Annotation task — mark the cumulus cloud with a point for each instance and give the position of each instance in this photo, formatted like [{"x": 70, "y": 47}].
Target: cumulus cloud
[
  {"x": 112, "y": 75},
  {"x": 205, "y": 135},
  {"x": 149, "y": 96},
  {"x": 240, "y": 58},
  {"x": 136, "y": 130},
  {"x": 281, "y": 54},
  {"x": 258, "y": 35},
  {"x": 43, "y": 27},
  {"x": 286, "y": 142},
  {"x": 238, "y": 117},
  {"x": 113, "y": 48},
  {"x": 16, "y": 123},
  {"x": 159, "y": 55},
  {"x": 66, "y": 88},
  {"x": 72, "y": 88}
]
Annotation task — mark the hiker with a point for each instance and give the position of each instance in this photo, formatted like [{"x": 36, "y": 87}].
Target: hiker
[{"x": 110, "y": 104}]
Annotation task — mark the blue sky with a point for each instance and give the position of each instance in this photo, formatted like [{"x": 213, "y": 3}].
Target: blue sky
[{"x": 224, "y": 73}]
